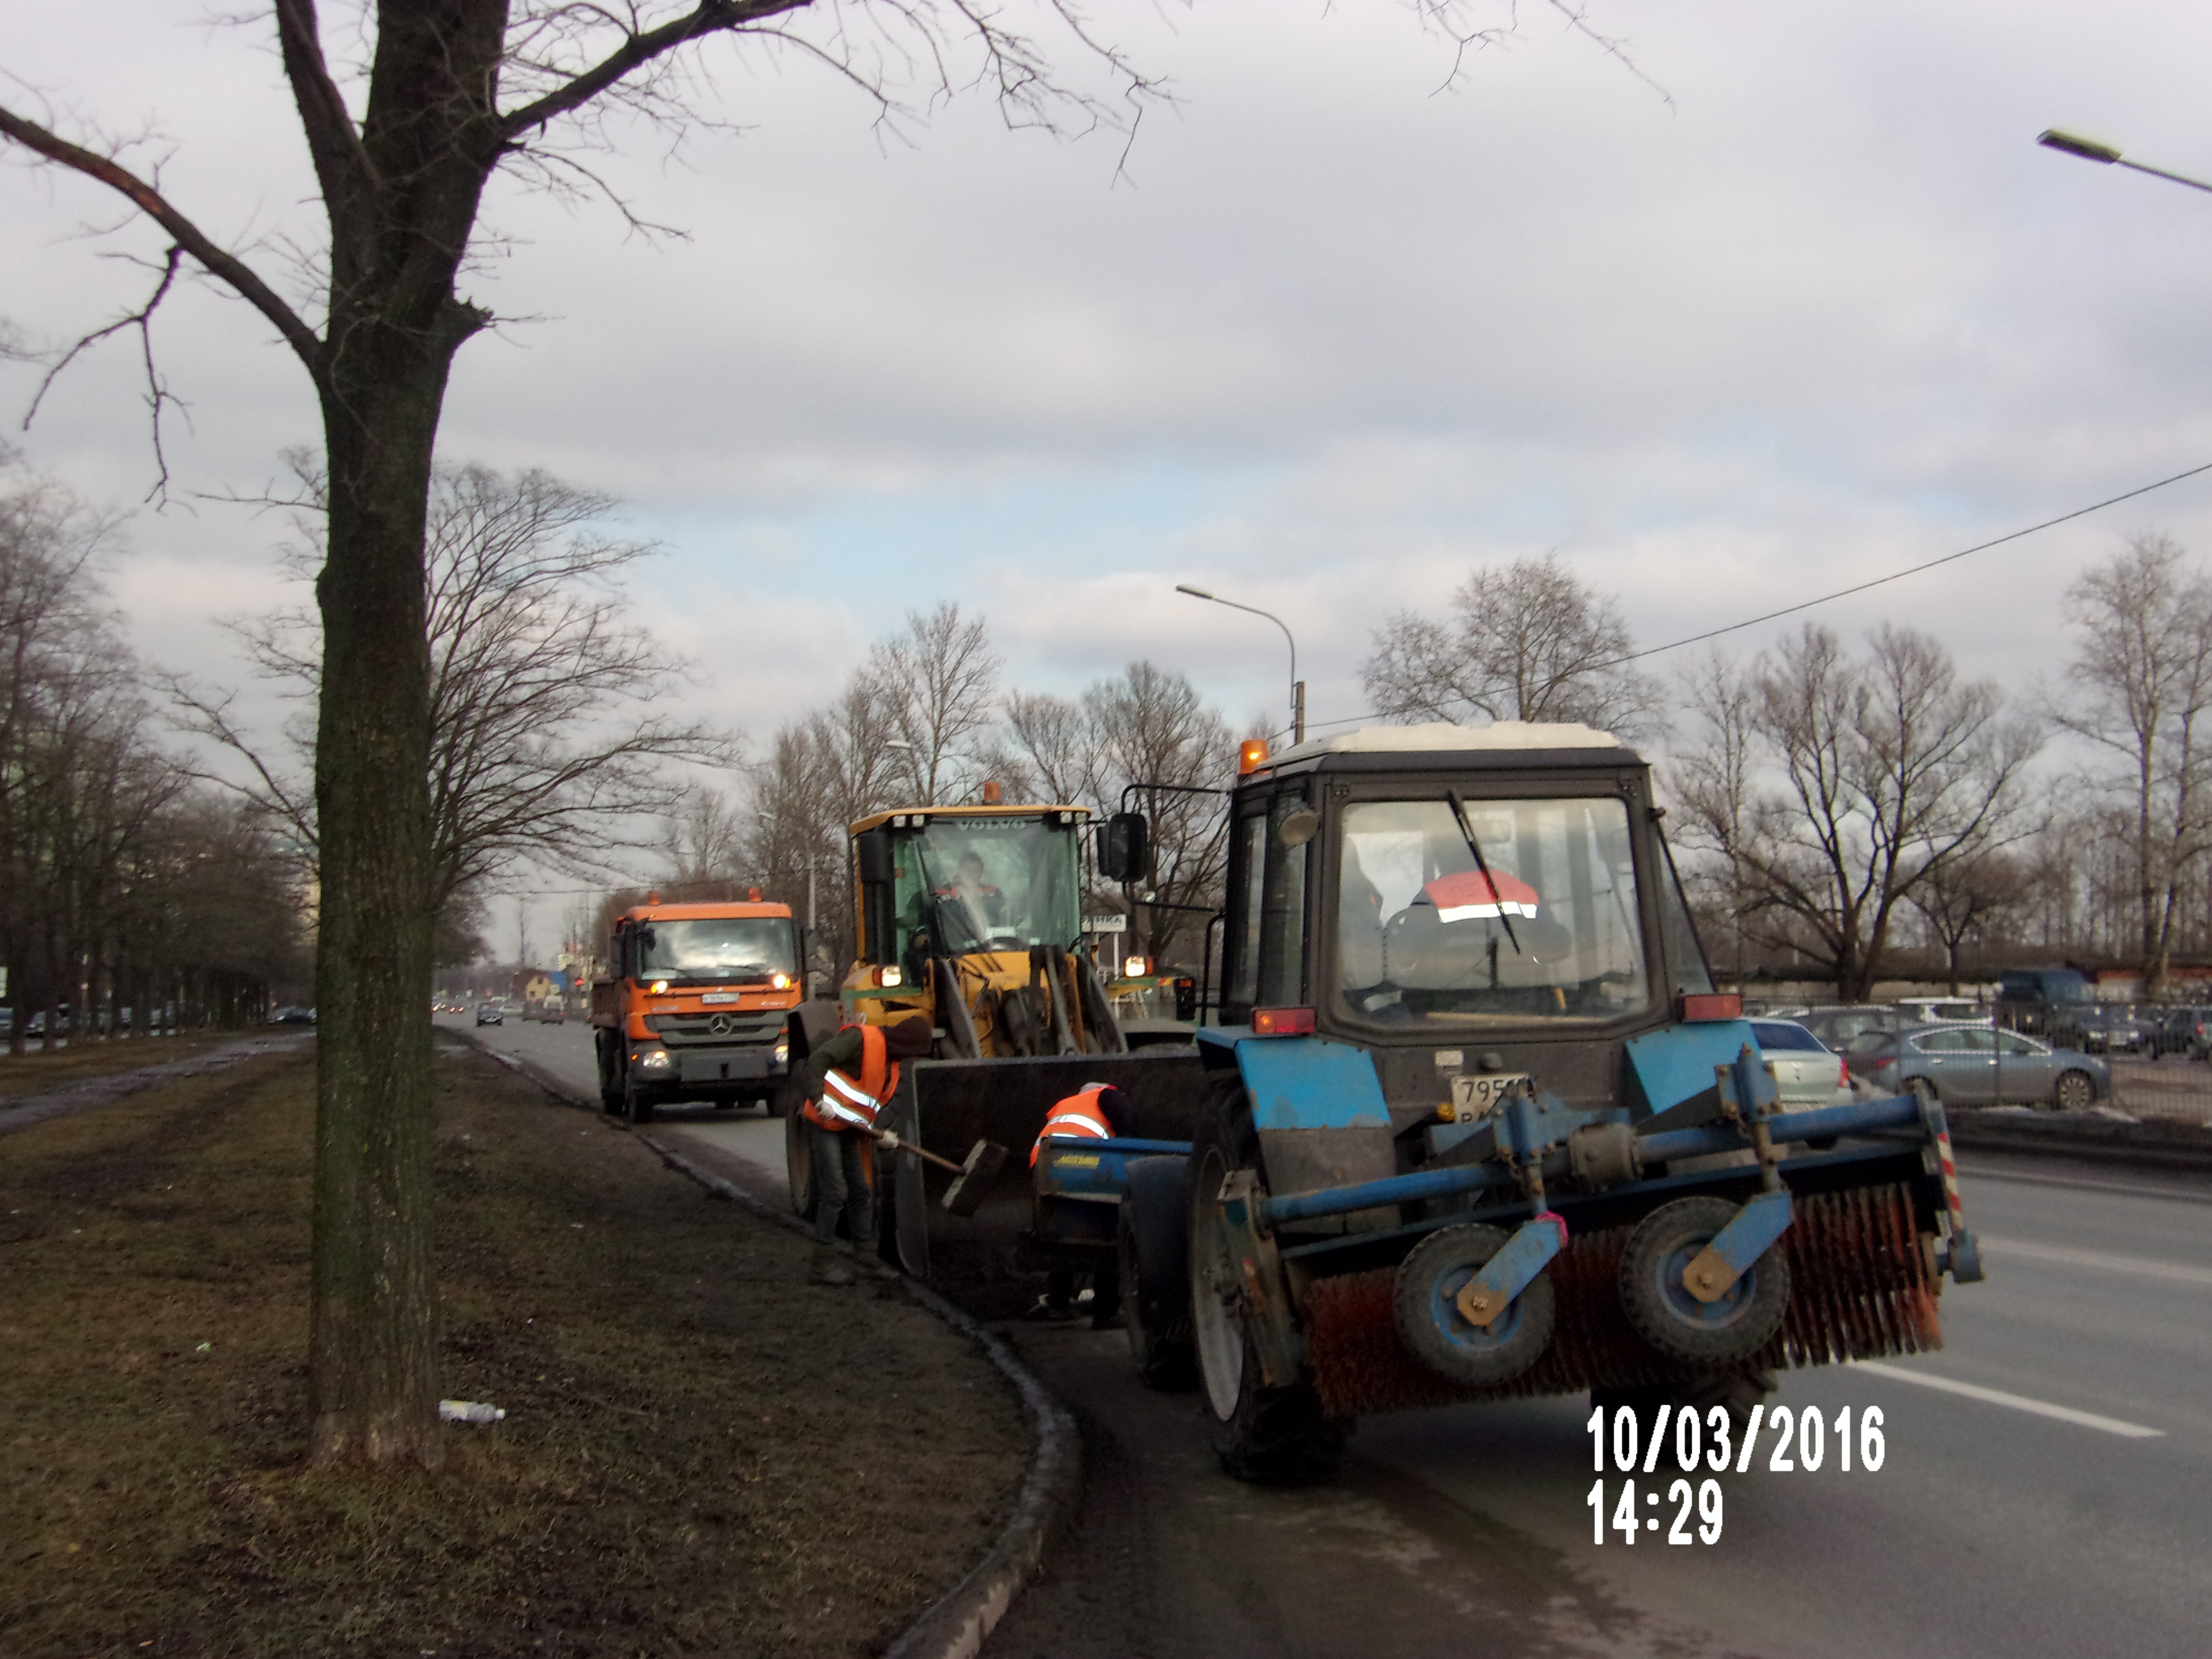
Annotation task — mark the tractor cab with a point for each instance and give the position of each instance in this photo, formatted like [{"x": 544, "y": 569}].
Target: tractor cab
[{"x": 1471, "y": 906}]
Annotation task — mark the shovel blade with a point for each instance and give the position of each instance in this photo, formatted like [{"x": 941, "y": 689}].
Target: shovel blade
[{"x": 967, "y": 1189}]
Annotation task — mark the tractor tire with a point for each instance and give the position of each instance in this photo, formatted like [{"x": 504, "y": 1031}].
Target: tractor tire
[
  {"x": 798, "y": 1163},
  {"x": 1438, "y": 1335},
  {"x": 1268, "y": 1436},
  {"x": 1708, "y": 1335},
  {"x": 2075, "y": 1092},
  {"x": 1154, "y": 1241}
]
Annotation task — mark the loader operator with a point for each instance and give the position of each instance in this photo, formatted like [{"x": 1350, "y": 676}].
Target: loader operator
[
  {"x": 848, "y": 1080},
  {"x": 1096, "y": 1111}
]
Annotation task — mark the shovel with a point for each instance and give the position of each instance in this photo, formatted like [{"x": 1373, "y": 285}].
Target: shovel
[{"x": 965, "y": 1195}]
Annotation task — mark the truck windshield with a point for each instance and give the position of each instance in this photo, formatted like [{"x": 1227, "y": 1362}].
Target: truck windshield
[
  {"x": 716, "y": 950},
  {"x": 968, "y": 884},
  {"x": 1422, "y": 935}
]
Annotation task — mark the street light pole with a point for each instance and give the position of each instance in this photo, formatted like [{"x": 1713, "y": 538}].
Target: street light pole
[
  {"x": 2089, "y": 150},
  {"x": 1297, "y": 685}
]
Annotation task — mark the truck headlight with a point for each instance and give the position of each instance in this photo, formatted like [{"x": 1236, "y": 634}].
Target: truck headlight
[
  {"x": 653, "y": 1059},
  {"x": 782, "y": 1054}
]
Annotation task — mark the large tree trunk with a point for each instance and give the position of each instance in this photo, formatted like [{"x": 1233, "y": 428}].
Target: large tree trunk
[{"x": 374, "y": 1345}]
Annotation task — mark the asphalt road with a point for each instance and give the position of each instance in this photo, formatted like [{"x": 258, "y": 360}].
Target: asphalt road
[{"x": 2056, "y": 1499}]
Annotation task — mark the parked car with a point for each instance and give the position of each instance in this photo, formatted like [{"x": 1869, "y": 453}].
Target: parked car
[
  {"x": 2102, "y": 1028},
  {"x": 1944, "y": 1011},
  {"x": 1844, "y": 1029},
  {"x": 1807, "y": 1072},
  {"x": 2029, "y": 998},
  {"x": 2177, "y": 1031},
  {"x": 489, "y": 1013},
  {"x": 1974, "y": 1065},
  {"x": 291, "y": 1014}
]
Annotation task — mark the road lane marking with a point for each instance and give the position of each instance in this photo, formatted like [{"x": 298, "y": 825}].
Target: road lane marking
[
  {"x": 2017, "y": 1401},
  {"x": 2142, "y": 1267}
]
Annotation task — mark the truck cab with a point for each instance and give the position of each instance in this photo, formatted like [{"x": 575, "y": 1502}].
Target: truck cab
[{"x": 696, "y": 1004}]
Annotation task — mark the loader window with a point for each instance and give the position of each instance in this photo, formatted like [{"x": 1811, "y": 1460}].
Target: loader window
[
  {"x": 1422, "y": 935},
  {"x": 967, "y": 884}
]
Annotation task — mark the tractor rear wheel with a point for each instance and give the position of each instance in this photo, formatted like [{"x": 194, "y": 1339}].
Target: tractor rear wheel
[
  {"x": 1270, "y": 1435},
  {"x": 1723, "y": 1332},
  {"x": 1155, "y": 1249}
]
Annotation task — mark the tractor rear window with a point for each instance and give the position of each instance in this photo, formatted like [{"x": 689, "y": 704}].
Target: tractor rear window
[{"x": 1552, "y": 930}]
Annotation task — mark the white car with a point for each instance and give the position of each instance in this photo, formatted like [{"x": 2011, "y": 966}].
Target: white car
[
  {"x": 1807, "y": 1072},
  {"x": 1944, "y": 1010}
]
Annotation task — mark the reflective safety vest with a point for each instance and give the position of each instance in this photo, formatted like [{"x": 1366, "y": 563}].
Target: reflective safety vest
[
  {"x": 1077, "y": 1117},
  {"x": 851, "y": 1102}
]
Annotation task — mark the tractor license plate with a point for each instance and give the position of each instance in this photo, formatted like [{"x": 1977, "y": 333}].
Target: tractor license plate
[{"x": 1474, "y": 1096}]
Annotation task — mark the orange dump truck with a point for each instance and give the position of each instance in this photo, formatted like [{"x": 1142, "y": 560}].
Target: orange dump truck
[{"x": 695, "y": 1004}]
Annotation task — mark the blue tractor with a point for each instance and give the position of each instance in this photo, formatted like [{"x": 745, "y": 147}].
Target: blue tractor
[{"x": 1474, "y": 1122}]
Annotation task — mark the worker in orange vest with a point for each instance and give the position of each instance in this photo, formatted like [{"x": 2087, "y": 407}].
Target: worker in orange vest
[
  {"x": 1095, "y": 1112},
  {"x": 849, "y": 1080}
]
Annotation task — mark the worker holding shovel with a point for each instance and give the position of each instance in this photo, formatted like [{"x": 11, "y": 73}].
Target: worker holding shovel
[{"x": 848, "y": 1081}]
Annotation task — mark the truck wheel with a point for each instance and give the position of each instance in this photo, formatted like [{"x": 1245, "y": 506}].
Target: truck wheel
[
  {"x": 611, "y": 1096},
  {"x": 1154, "y": 1241},
  {"x": 1668, "y": 1317},
  {"x": 1276, "y": 1435},
  {"x": 798, "y": 1163},
  {"x": 637, "y": 1106},
  {"x": 1434, "y": 1330}
]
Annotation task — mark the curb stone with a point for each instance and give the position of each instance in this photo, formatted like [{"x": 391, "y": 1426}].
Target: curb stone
[
  {"x": 955, "y": 1625},
  {"x": 2085, "y": 1138}
]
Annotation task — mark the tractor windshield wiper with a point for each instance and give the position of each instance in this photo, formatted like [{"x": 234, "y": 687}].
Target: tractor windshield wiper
[{"x": 1466, "y": 834}]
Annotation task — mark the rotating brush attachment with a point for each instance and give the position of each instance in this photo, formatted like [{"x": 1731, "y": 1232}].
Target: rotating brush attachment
[{"x": 1860, "y": 1290}]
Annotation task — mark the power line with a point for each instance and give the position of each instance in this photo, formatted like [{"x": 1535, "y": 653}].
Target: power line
[{"x": 1840, "y": 594}]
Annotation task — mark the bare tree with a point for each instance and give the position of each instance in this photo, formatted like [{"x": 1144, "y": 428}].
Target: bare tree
[
  {"x": 544, "y": 746},
  {"x": 2140, "y": 692},
  {"x": 448, "y": 94},
  {"x": 936, "y": 682},
  {"x": 1966, "y": 898},
  {"x": 1049, "y": 750},
  {"x": 1874, "y": 775},
  {"x": 1715, "y": 780},
  {"x": 1530, "y": 642}
]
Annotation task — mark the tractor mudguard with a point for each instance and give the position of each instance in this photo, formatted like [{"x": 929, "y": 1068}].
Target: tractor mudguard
[{"x": 1318, "y": 1106}]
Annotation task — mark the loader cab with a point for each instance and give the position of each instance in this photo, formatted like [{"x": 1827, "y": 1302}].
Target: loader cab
[
  {"x": 1534, "y": 927},
  {"x": 967, "y": 881}
]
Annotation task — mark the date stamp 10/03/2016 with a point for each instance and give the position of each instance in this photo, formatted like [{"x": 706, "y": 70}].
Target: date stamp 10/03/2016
[{"x": 1684, "y": 1444}]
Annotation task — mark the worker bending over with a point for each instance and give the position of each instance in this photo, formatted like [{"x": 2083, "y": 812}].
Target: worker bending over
[
  {"x": 1098, "y": 1111},
  {"x": 848, "y": 1080}
]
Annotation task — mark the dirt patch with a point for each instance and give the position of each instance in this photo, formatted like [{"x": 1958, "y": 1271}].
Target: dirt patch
[
  {"x": 32, "y": 1072},
  {"x": 703, "y": 1453}
]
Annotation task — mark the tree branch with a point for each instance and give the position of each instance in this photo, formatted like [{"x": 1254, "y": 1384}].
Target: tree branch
[
  {"x": 709, "y": 17},
  {"x": 306, "y": 344}
]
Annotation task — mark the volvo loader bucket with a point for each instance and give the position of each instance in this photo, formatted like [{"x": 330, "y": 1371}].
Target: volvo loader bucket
[{"x": 949, "y": 1105}]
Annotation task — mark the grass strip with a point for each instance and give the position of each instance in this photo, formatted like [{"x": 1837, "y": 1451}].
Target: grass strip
[{"x": 703, "y": 1454}]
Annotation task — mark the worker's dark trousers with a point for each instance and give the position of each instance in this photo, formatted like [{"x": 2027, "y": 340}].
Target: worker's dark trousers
[{"x": 844, "y": 1172}]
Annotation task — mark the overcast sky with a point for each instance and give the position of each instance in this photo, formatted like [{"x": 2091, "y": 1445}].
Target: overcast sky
[{"x": 1333, "y": 339}]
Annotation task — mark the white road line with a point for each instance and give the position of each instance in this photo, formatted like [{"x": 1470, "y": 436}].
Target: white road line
[
  {"x": 2017, "y": 1402},
  {"x": 2142, "y": 1267}
]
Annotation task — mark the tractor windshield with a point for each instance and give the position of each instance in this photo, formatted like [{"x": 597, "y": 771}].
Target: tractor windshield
[
  {"x": 1542, "y": 924},
  {"x": 979, "y": 883},
  {"x": 716, "y": 950}
]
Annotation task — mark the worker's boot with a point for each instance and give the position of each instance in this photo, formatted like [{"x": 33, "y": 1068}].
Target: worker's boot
[{"x": 830, "y": 1267}]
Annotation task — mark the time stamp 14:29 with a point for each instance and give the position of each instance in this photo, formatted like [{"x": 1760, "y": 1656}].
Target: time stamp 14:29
[{"x": 1692, "y": 1443}]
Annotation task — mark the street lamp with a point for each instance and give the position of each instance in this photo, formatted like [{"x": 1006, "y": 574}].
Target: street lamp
[
  {"x": 1297, "y": 685},
  {"x": 2090, "y": 150}
]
